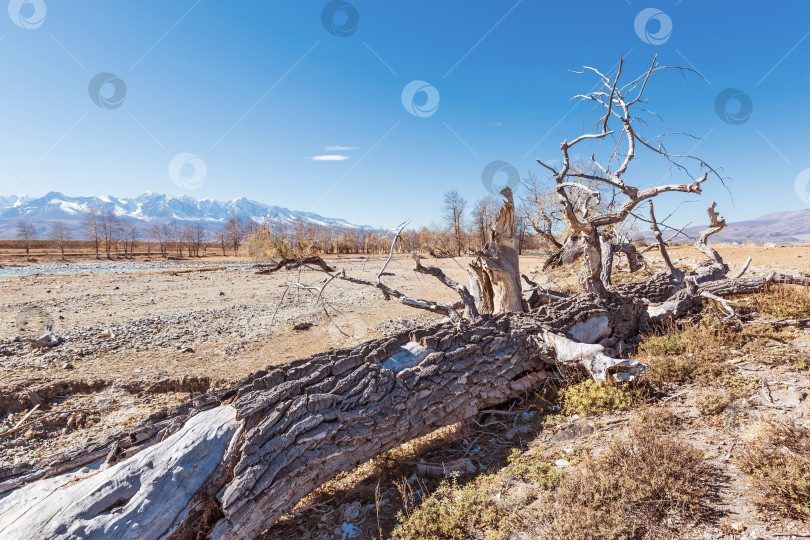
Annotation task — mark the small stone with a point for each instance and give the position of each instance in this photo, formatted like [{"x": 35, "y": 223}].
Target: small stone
[
  {"x": 351, "y": 512},
  {"x": 561, "y": 463},
  {"x": 67, "y": 365},
  {"x": 34, "y": 397},
  {"x": 302, "y": 326},
  {"x": 574, "y": 431},
  {"x": 221, "y": 293}
]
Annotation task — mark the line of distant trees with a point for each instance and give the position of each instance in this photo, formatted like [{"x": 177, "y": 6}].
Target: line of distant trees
[
  {"x": 464, "y": 229},
  {"x": 461, "y": 231},
  {"x": 112, "y": 236}
]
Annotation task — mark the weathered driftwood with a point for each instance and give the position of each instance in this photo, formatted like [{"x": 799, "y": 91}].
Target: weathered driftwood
[
  {"x": 609, "y": 247},
  {"x": 677, "y": 273},
  {"x": 567, "y": 253},
  {"x": 48, "y": 339},
  {"x": 231, "y": 463}
]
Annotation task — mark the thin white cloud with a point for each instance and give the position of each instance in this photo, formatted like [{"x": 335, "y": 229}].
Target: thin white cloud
[
  {"x": 330, "y": 157},
  {"x": 339, "y": 148}
]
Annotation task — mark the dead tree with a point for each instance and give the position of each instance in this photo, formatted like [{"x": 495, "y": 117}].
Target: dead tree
[
  {"x": 230, "y": 463},
  {"x": 619, "y": 104},
  {"x": 495, "y": 274},
  {"x": 26, "y": 231}
]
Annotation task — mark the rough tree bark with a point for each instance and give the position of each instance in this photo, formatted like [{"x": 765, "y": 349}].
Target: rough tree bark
[{"x": 231, "y": 463}]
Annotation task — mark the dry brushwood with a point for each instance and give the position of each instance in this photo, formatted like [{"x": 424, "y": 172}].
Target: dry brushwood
[{"x": 230, "y": 463}]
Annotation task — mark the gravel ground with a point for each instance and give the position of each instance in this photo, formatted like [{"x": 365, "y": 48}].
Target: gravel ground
[{"x": 136, "y": 341}]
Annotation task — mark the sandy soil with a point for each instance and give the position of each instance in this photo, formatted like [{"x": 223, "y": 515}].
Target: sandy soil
[
  {"x": 134, "y": 329},
  {"x": 140, "y": 341}
]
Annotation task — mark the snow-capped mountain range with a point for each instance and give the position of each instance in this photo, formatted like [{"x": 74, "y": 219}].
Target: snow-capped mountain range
[{"x": 150, "y": 208}]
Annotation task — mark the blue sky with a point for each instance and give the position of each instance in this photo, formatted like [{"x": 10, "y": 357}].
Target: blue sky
[{"x": 256, "y": 89}]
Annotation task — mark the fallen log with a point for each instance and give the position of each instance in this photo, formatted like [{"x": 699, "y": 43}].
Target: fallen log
[{"x": 231, "y": 463}]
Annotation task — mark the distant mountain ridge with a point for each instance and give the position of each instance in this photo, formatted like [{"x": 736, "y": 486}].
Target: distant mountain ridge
[
  {"x": 150, "y": 208},
  {"x": 791, "y": 227}
]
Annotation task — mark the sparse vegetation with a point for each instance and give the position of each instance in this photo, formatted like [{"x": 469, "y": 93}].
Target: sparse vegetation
[
  {"x": 534, "y": 466},
  {"x": 655, "y": 417},
  {"x": 590, "y": 397},
  {"x": 453, "y": 512},
  {"x": 686, "y": 353},
  {"x": 701, "y": 352},
  {"x": 777, "y": 461},
  {"x": 713, "y": 403},
  {"x": 627, "y": 490},
  {"x": 782, "y": 301},
  {"x": 624, "y": 492}
]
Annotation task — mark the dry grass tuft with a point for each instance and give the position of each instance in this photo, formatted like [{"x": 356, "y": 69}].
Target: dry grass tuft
[
  {"x": 685, "y": 353},
  {"x": 655, "y": 417},
  {"x": 783, "y": 301},
  {"x": 453, "y": 512},
  {"x": 777, "y": 461},
  {"x": 628, "y": 491},
  {"x": 713, "y": 403},
  {"x": 590, "y": 397},
  {"x": 534, "y": 466}
]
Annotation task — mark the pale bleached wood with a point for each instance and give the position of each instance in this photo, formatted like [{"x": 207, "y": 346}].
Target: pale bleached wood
[
  {"x": 593, "y": 358},
  {"x": 716, "y": 224},
  {"x": 495, "y": 274},
  {"x": 142, "y": 497}
]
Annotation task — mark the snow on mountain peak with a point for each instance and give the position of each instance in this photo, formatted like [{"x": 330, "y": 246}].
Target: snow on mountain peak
[{"x": 156, "y": 208}]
